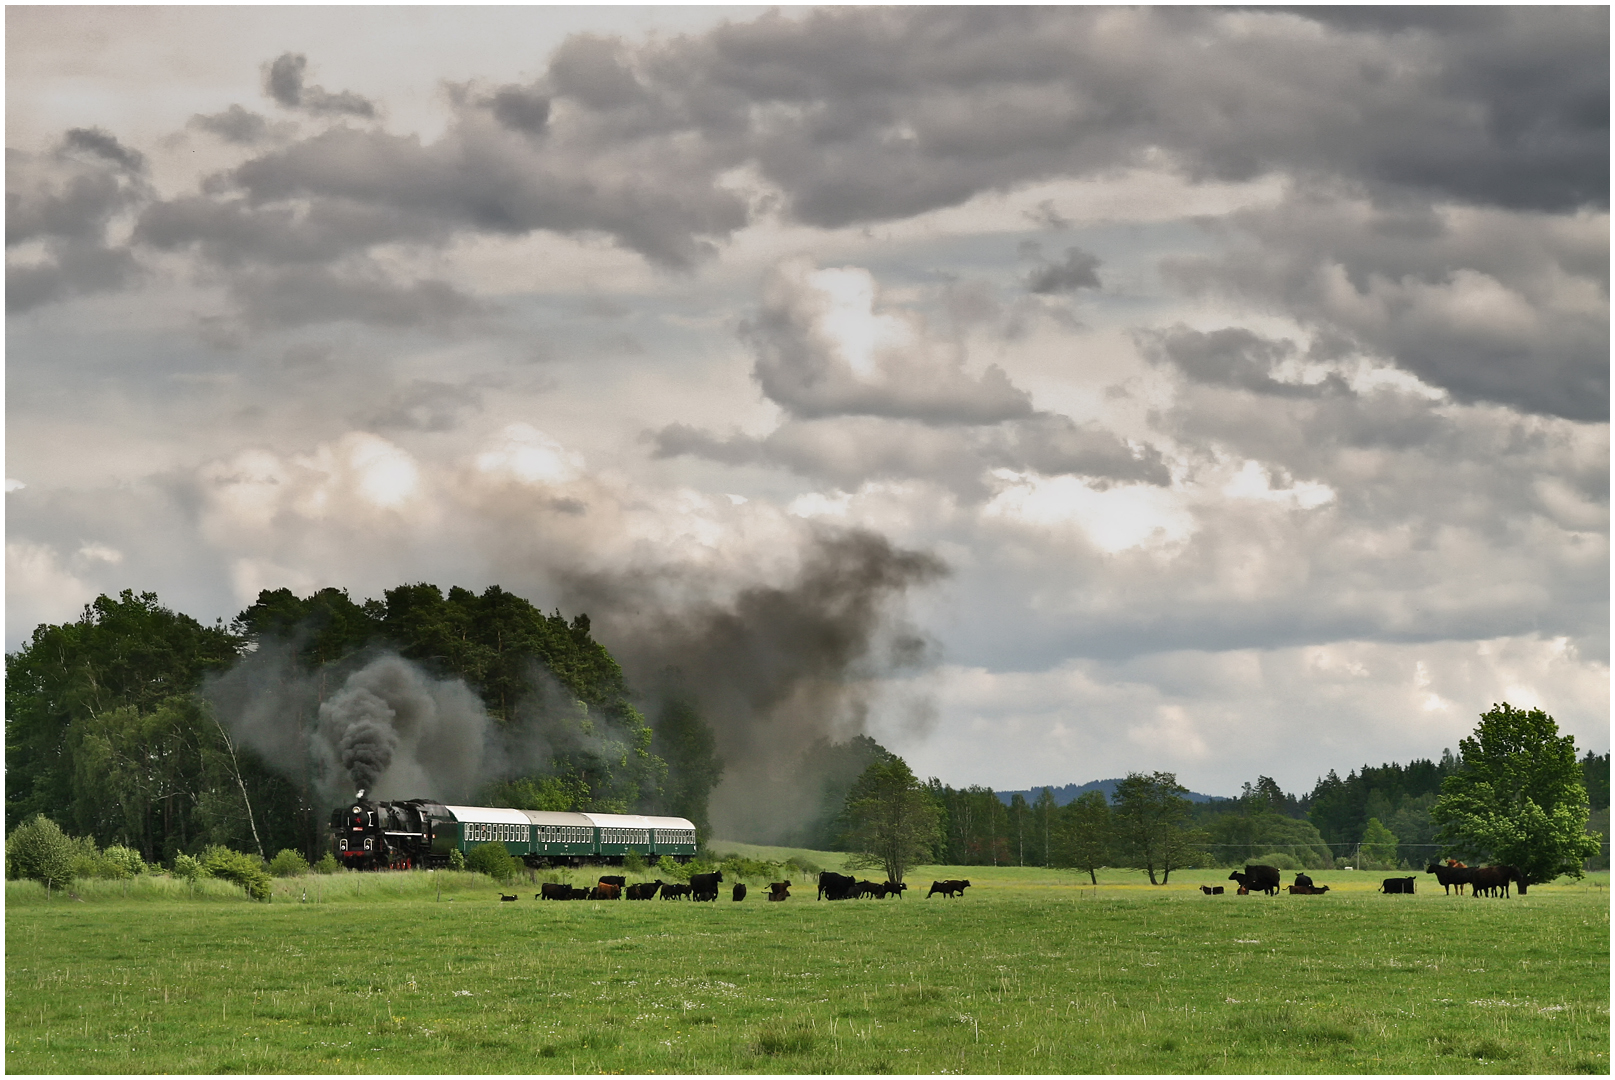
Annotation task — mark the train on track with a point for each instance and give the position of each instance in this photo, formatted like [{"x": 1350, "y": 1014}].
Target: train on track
[{"x": 367, "y": 835}]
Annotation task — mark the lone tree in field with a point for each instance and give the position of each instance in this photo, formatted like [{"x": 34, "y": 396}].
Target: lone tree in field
[
  {"x": 1148, "y": 819},
  {"x": 1085, "y": 834},
  {"x": 1519, "y": 798},
  {"x": 892, "y": 821}
]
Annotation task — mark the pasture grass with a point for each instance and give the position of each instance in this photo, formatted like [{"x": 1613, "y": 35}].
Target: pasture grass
[{"x": 1028, "y": 972}]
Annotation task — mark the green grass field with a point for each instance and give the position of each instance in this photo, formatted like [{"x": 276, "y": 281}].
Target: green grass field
[{"x": 1029, "y": 972}]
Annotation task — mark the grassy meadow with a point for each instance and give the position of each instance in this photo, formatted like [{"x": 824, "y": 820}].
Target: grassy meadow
[{"x": 1031, "y": 971}]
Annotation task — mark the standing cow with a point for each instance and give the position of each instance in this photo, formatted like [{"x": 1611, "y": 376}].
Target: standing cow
[
  {"x": 1451, "y": 876},
  {"x": 1263, "y": 879},
  {"x": 705, "y": 886},
  {"x": 834, "y": 886}
]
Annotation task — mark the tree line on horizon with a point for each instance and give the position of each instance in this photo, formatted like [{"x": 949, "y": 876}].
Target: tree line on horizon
[{"x": 109, "y": 735}]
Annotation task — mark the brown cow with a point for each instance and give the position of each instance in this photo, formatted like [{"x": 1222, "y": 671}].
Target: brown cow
[
  {"x": 779, "y": 890},
  {"x": 605, "y": 892}
]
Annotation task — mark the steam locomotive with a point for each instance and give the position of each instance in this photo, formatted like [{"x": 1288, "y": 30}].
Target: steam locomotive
[{"x": 367, "y": 835}]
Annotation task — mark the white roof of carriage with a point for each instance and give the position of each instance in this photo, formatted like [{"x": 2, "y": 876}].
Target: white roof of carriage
[
  {"x": 638, "y": 821},
  {"x": 556, "y": 817},
  {"x": 487, "y": 815}
]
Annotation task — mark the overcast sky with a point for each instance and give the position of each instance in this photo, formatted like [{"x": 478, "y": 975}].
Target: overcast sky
[{"x": 1218, "y": 392}]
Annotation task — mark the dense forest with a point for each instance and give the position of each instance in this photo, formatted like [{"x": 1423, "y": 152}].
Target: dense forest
[{"x": 139, "y": 725}]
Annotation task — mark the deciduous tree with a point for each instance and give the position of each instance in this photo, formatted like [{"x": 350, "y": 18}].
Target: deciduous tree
[
  {"x": 1150, "y": 829},
  {"x": 1519, "y": 799},
  {"x": 1085, "y": 834},
  {"x": 891, "y": 819}
]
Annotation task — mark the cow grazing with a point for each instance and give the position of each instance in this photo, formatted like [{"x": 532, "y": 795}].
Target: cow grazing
[
  {"x": 1451, "y": 877},
  {"x": 1397, "y": 885},
  {"x": 834, "y": 886},
  {"x": 948, "y": 888},
  {"x": 505, "y": 898},
  {"x": 705, "y": 886},
  {"x": 1262, "y": 879},
  {"x": 739, "y": 891},
  {"x": 1212, "y": 890},
  {"x": 779, "y": 890},
  {"x": 645, "y": 890},
  {"x": 554, "y": 890},
  {"x": 605, "y": 892},
  {"x": 893, "y": 888}
]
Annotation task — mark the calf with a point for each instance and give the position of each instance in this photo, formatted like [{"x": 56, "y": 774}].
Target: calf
[
  {"x": 948, "y": 888},
  {"x": 705, "y": 886},
  {"x": 867, "y": 888},
  {"x": 1212, "y": 890},
  {"x": 740, "y": 891},
  {"x": 893, "y": 888},
  {"x": 577, "y": 892},
  {"x": 1308, "y": 890},
  {"x": 1397, "y": 885},
  {"x": 779, "y": 890},
  {"x": 672, "y": 891},
  {"x": 505, "y": 898}
]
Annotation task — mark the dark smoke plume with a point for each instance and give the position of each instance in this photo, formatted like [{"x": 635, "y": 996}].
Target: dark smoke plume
[{"x": 773, "y": 670}]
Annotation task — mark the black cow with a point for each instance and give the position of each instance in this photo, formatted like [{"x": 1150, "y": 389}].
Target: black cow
[
  {"x": 1491, "y": 879},
  {"x": 1397, "y": 885},
  {"x": 705, "y": 886},
  {"x": 1211, "y": 890},
  {"x": 645, "y": 890},
  {"x": 739, "y": 891},
  {"x": 1262, "y": 879},
  {"x": 1451, "y": 877},
  {"x": 834, "y": 886},
  {"x": 554, "y": 890},
  {"x": 779, "y": 890},
  {"x": 502, "y": 896},
  {"x": 948, "y": 888},
  {"x": 617, "y": 880},
  {"x": 893, "y": 888},
  {"x": 1308, "y": 889},
  {"x": 672, "y": 891},
  {"x": 1302, "y": 880},
  {"x": 866, "y": 888}
]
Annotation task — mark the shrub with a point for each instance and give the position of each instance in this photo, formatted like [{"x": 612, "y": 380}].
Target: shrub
[
  {"x": 288, "y": 863},
  {"x": 126, "y": 860},
  {"x": 671, "y": 870},
  {"x": 326, "y": 865},
  {"x": 456, "y": 859},
  {"x": 632, "y": 863},
  {"x": 807, "y": 866},
  {"x": 493, "y": 860},
  {"x": 245, "y": 870},
  {"x": 39, "y": 849},
  {"x": 87, "y": 859},
  {"x": 1280, "y": 860},
  {"x": 186, "y": 867}
]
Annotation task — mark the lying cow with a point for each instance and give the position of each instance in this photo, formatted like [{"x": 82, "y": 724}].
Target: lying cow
[
  {"x": 1308, "y": 889},
  {"x": 948, "y": 888},
  {"x": 645, "y": 890},
  {"x": 505, "y": 898},
  {"x": 1212, "y": 890},
  {"x": 740, "y": 891},
  {"x": 1262, "y": 879},
  {"x": 705, "y": 886},
  {"x": 779, "y": 890},
  {"x": 1397, "y": 885},
  {"x": 834, "y": 886}
]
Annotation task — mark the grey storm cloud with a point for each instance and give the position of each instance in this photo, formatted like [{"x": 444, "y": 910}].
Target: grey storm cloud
[
  {"x": 1489, "y": 306},
  {"x": 233, "y": 125},
  {"x": 1079, "y": 270},
  {"x": 63, "y": 203},
  {"x": 1232, "y": 357},
  {"x": 283, "y": 81}
]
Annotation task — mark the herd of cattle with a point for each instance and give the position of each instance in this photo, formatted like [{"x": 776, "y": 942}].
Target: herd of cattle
[{"x": 1481, "y": 880}]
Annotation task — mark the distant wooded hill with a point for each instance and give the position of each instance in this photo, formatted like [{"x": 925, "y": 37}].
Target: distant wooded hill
[{"x": 1070, "y": 792}]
